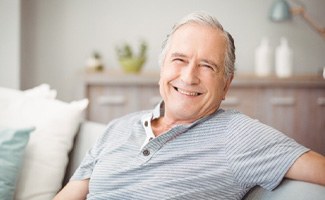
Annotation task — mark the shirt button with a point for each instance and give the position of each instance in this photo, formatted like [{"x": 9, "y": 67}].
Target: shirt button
[
  {"x": 146, "y": 152},
  {"x": 146, "y": 123}
]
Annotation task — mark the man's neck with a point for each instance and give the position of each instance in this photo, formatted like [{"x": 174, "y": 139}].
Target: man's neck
[{"x": 163, "y": 124}]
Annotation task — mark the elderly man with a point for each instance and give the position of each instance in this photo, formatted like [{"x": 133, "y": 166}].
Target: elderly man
[{"x": 188, "y": 147}]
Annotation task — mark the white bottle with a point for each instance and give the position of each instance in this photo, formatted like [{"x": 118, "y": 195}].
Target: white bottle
[
  {"x": 283, "y": 59},
  {"x": 263, "y": 58}
]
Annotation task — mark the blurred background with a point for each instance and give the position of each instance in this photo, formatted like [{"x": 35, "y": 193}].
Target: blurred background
[{"x": 49, "y": 41}]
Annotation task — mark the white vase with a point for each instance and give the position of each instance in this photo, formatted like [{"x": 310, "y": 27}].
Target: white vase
[
  {"x": 283, "y": 59},
  {"x": 263, "y": 58}
]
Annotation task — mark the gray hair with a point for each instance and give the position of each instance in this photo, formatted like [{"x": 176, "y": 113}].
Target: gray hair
[{"x": 204, "y": 19}]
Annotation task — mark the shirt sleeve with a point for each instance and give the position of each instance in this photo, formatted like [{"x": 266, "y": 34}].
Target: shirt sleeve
[
  {"x": 259, "y": 154},
  {"x": 112, "y": 136},
  {"x": 85, "y": 169}
]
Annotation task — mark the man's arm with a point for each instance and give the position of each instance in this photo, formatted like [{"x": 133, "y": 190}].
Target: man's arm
[
  {"x": 74, "y": 190},
  {"x": 309, "y": 167}
]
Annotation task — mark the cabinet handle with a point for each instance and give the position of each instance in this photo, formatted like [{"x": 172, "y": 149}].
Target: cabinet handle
[
  {"x": 321, "y": 101},
  {"x": 154, "y": 100},
  {"x": 283, "y": 101},
  {"x": 231, "y": 101},
  {"x": 111, "y": 100}
]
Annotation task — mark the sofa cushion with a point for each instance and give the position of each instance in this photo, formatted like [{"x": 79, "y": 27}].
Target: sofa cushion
[
  {"x": 46, "y": 155},
  {"x": 12, "y": 148}
]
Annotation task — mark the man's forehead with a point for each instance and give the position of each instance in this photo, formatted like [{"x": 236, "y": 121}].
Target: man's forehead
[
  {"x": 191, "y": 38},
  {"x": 199, "y": 33}
]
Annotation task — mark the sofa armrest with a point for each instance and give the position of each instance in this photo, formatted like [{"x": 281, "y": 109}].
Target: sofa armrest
[{"x": 288, "y": 190}]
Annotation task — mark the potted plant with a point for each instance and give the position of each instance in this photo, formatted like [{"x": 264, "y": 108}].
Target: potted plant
[
  {"x": 131, "y": 62},
  {"x": 94, "y": 62}
]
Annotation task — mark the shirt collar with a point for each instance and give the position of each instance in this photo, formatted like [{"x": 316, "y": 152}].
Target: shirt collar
[{"x": 157, "y": 112}]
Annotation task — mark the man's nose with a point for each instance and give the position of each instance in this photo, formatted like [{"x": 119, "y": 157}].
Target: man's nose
[{"x": 190, "y": 74}]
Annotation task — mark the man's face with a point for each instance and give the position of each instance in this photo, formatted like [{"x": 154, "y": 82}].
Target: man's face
[{"x": 192, "y": 81}]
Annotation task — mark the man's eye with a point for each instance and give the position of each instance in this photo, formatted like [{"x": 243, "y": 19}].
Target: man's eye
[
  {"x": 209, "y": 67},
  {"x": 178, "y": 60}
]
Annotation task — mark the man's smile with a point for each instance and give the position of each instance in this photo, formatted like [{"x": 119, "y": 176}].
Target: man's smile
[{"x": 185, "y": 92}]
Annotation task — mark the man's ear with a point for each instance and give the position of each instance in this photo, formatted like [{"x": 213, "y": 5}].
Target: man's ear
[
  {"x": 228, "y": 82},
  {"x": 227, "y": 85}
]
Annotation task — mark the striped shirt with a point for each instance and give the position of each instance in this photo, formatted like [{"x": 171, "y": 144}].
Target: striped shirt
[{"x": 221, "y": 156}]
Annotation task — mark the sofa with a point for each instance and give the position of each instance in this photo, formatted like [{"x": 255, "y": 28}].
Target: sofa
[
  {"x": 43, "y": 140},
  {"x": 287, "y": 190},
  {"x": 37, "y": 132}
]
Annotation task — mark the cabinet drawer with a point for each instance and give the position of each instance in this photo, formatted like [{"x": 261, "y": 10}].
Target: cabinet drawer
[
  {"x": 243, "y": 100},
  {"x": 149, "y": 97},
  {"x": 109, "y": 102}
]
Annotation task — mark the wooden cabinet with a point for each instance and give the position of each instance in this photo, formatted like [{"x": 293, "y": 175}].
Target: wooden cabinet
[
  {"x": 295, "y": 106},
  {"x": 114, "y": 94}
]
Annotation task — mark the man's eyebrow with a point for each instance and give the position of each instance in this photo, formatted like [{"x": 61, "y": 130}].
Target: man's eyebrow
[{"x": 176, "y": 54}]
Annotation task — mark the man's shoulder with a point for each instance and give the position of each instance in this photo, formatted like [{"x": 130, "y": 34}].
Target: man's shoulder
[
  {"x": 229, "y": 115},
  {"x": 221, "y": 120},
  {"x": 237, "y": 123},
  {"x": 233, "y": 115},
  {"x": 240, "y": 122}
]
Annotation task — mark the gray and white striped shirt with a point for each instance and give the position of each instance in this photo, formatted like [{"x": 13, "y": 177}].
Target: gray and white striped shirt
[{"x": 221, "y": 156}]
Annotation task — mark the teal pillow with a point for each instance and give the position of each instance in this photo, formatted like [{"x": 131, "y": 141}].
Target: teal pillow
[{"x": 12, "y": 147}]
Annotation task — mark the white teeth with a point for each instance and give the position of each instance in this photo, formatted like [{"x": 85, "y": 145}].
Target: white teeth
[{"x": 187, "y": 93}]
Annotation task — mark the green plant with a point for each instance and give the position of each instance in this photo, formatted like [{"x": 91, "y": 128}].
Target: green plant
[
  {"x": 130, "y": 61},
  {"x": 125, "y": 51}
]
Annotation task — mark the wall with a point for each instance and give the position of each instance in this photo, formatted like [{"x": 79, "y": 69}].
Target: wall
[
  {"x": 58, "y": 36},
  {"x": 10, "y": 43}
]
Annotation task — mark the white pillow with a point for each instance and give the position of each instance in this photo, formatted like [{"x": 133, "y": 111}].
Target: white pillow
[
  {"x": 46, "y": 155},
  {"x": 42, "y": 90}
]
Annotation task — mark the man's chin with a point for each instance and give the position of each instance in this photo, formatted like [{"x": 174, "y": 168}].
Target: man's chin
[{"x": 185, "y": 112}]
